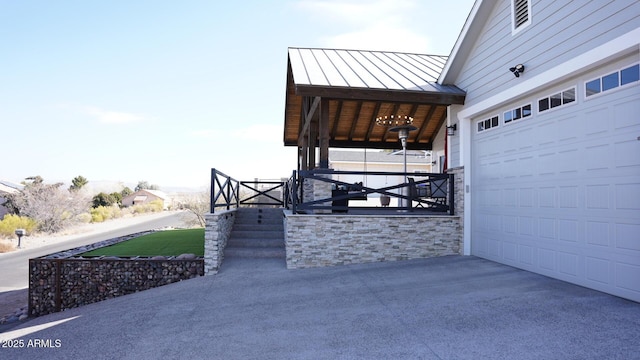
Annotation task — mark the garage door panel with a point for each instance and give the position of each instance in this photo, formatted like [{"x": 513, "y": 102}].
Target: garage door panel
[
  {"x": 627, "y": 196},
  {"x": 568, "y": 230},
  {"x": 598, "y": 197},
  {"x": 625, "y": 112},
  {"x": 598, "y": 233},
  {"x": 526, "y": 225},
  {"x": 626, "y": 152},
  {"x": 598, "y": 158},
  {"x": 627, "y": 237},
  {"x": 598, "y": 270},
  {"x": 526, "y": 253},
  {"x": 547, "y": 228},
  {"x": 568, "y": 130},
  {"x": 628, "y": 276},
  {"x": 568, "y": 197},
  {"x": 546, "y": 260},
  {"x": 510, "y": 251},
  {"x": 568, "y": 264},
  {"x": 594, "y": 126},
  {"x": 547, "y": 197},
  {"x": 495, "y": 248}
]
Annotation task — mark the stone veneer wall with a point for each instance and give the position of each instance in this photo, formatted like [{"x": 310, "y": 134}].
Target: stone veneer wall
[
  {"x": 317, "y": 189},
  {"x": 216, "y": 234},
  {"x": 326, "y": 240},
  {"x": 57, "y": 284}
]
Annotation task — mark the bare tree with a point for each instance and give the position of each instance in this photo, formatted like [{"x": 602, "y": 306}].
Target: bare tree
[
  {"x": 51, "y": 206},
  {"x": 196, "y": 204}
]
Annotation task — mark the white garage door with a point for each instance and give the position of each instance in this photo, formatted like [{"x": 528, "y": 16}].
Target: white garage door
[{"x": 558, "y": 192}]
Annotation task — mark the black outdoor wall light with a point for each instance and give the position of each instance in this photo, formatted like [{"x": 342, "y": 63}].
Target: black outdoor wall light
[
  {"x": 451, "y": 130},
  {"x": 517, "y": 70}
]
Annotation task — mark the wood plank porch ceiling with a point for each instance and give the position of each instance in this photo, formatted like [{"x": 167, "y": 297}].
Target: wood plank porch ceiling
[{"x": 362, "y": 85}]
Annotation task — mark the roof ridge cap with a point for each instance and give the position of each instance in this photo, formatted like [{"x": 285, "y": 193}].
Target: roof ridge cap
[{"x": 372, "y": 51}]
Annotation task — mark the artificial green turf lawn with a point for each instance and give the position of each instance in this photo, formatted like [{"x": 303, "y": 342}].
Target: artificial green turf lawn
[{"x": 164, "y": 243}]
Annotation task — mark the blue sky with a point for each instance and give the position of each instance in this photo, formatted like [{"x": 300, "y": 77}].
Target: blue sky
[{"x": 163, "y": 91}]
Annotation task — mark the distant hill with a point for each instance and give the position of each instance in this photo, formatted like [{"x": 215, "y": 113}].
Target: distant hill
[{"x": 116, "y": 186}]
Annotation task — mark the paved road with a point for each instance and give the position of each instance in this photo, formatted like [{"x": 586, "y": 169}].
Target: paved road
[{"x": 14, "y": 266}]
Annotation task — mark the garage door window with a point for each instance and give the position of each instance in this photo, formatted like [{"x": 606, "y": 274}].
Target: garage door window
[
  {"x": 556, "y": 100},
  {"x": 517, "y": 114},
  {"x": 630, "y": 74},
  {"x": 613, "y": 80},
  {"x": 487, "y": 123}
]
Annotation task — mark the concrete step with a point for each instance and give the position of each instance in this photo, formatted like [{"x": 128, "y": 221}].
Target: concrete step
[
  {"x": 258, "y": 221},
  {"x": 258, "y": 215},
  {"x": 258, "y": 227},
  {"x": 256, "y": 242},
  {"x": 257, "y": 233},
  {"x": 254, "y": 253},
  {"x": 263, "y": 234}
]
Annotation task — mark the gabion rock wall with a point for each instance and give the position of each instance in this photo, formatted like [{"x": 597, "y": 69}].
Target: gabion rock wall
[
  {"x": 60, "y": 284},
  {"x": 66, "y": 280}
]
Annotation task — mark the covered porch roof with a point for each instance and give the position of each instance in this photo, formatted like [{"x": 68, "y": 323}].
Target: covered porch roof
[{"x": 334, "y": 96}]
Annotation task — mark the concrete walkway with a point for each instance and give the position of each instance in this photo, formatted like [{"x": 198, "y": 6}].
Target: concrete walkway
[{"x": 444, "y": 308}]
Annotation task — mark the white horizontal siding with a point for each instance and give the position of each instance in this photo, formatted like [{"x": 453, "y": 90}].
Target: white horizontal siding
[{"x": 559, "y": 32}]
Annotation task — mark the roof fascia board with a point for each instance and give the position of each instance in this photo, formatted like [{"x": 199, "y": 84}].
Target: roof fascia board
[
  {"x": 420, "y": 97},
  {"x": 354, "y": 144}
]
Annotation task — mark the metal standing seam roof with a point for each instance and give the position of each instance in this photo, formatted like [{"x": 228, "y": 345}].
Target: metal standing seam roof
[
  {"x": 362, "y": 85},
  {"x": 375, "y": 70}
]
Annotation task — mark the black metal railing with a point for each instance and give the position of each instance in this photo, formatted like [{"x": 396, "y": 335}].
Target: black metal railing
[
  {"x": 227, "y": 192},
  {"x": 421, "y": 192},
  {"x": 262, "y": 193}
]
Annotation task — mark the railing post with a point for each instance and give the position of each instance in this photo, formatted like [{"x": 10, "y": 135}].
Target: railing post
[
  {"x": 213, "y": 191},
  {"x": 237, "y": 192},
  {"x": 228, "y": 190},
  {"x": 285, "y": 189},
  {"x": 451, "y": 194},
  {"x": 294, "y": 192}
]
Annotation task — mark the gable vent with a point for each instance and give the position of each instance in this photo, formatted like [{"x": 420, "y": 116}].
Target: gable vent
[{"x": 520, "y": 12}]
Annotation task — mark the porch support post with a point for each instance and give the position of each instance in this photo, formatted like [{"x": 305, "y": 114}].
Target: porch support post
[
  {"x": 303, "y": 151},
  {"x": 313, "y": 139},
  {"x": 323, "y": 125},
  {"x": 308, "y": 111},
  {"x": 308, "y": 133}
]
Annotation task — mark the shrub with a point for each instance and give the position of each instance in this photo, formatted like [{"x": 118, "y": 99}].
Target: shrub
[
  {"x": 96, "y": 216},
  {"x": 156, "y": 206},
  {"x": 104, "y": 199},
  {"x": 6, "y": 246},
  {"x": 102, "y": 213},
  {"x": 153, "y": 206},
  {"x": 10, "y": 223},
  {"x": 84, "y": 218}
]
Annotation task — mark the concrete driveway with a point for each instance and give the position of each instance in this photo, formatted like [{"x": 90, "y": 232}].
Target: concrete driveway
[{"x": 443, "y": 308}]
